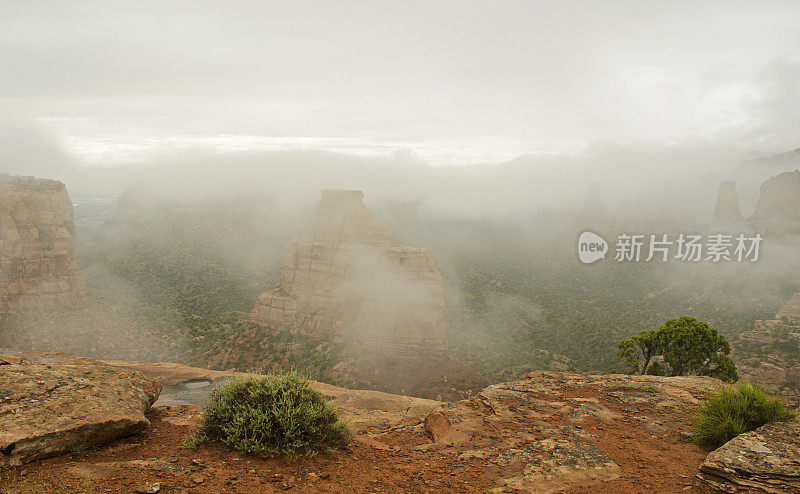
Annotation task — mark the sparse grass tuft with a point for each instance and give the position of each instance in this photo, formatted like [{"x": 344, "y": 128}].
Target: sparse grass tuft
[
  {"x": 193, "y": 441},
  {"x": 274, "y": 416},
  {"x": 650, "y": 389},
  {"x": 734, "y": 410},
  {"x": 82, "y": 446}
]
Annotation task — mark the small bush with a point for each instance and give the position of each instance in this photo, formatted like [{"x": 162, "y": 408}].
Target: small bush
[
  {"x": 734, "y": 410},
  {"x": 273, "y": 416},
  {"x": 193, "y": 441}
]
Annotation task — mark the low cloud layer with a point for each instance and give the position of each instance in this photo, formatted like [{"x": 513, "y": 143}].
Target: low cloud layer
[{"x": 453, "y": 82}]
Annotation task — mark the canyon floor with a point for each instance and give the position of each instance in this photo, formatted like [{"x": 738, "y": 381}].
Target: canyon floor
[{"x": 548, "y": 432}]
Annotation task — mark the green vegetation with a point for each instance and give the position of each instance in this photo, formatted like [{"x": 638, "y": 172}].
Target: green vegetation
[
  {"x": 274, "y": 416},
  {"x": 518, "y": 300},
  {"x": 734, "y": 410},
  {"x": 687, "y": 346}
]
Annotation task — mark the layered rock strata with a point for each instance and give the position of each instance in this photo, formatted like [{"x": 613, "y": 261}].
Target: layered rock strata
[
  {"x": 769, "y": 354},
  {"x": 37, "y": 230},
  {"x": 764, "y": 460},
  {"x": 342, "y": 275},
  {"x": 778, "y": 207}
]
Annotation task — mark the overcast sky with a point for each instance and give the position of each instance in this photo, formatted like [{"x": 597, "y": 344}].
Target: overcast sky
[{"x": 452, "y": 82}]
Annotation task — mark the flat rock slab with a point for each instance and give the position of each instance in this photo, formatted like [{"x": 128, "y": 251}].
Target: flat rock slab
[
  {"x": 365, "y": 411},
  {"x": 764, "y": 460},
  {"x": 48, "y": 408}
]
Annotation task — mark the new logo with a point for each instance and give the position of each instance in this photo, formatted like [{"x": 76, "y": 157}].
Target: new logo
[{"x": 591, "y": 247}]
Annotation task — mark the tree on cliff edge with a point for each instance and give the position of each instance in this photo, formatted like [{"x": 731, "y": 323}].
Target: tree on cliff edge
[{"x": 687, "y": 346}]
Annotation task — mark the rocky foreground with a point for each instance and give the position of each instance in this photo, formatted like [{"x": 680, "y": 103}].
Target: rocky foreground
[
  {"x": 548, "y": 432},
  {"x": 764, "y": 460}
]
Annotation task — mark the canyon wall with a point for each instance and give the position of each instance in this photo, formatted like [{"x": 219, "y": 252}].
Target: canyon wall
[
  {"x": 769, "y": 354},
  {"x": 778, "y": 207},
  {"x": 37, "y": 230},
  {"x": 342, "y": 275}
]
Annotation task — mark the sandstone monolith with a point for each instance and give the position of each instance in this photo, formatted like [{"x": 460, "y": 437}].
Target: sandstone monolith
[
  {"x": 37, "y": 231},
  {"x": 342, "y": 275},
  {"x": 727, "y": 208}
]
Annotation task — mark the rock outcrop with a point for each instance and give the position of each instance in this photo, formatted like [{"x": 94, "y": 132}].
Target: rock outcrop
[
  {"x": 769, "y": 354},
  {"x": 37, "y": 230},
  {"x": 764, "y": 460},
  {"x": 547, "y": 432},
  {"x": 342, "y": 275},
  {"x": 557, "y": 448},
  {"x": 778, "y": 207},
  {"x": 59, "y": 405},
  {"x": 727, "y": 207}
]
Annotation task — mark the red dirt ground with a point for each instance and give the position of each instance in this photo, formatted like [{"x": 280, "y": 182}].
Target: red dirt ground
[{"x": 649, "y": 463}]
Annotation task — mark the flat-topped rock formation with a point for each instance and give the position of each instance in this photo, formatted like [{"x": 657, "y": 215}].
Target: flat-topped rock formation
[
  {"x": 727, "y": 207},
  {"x": 37, "y": 230},
  {"x": 342, "y": 275},
  {"x": 778, "y": 207}
]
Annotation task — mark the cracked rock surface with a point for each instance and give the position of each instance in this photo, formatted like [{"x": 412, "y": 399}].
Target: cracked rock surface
[
  {"x": 55, "y": 406},
  {"x": 764, "y": 460}
]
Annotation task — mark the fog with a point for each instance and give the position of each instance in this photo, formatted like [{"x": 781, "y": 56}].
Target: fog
[
  {"x": 195, "y": 138},
  {"x": 453, "y": 82},
  {"x": 635, "y": 178}
]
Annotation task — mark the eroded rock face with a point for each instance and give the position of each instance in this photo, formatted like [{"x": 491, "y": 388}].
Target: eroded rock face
[
  {"x": 727, "y": 208},
  {"x": 764, "y": 460},
  {"x": 778, "y": 207},
  {"x": 56, "y": 406},
  {"x": 769, "y": 354},
  {"x": 37, "y": 268},
  {"x": 342, "y": 275}
]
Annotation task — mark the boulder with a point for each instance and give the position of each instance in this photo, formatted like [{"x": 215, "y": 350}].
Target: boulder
[
  {"x": 60, "y": 405},
  {"x": 764, "y": 460}
]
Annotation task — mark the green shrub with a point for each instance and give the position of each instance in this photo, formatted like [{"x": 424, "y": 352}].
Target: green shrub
[
  {"x": 273, "y": 416},
  {"x": 734, "y": 410}
]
